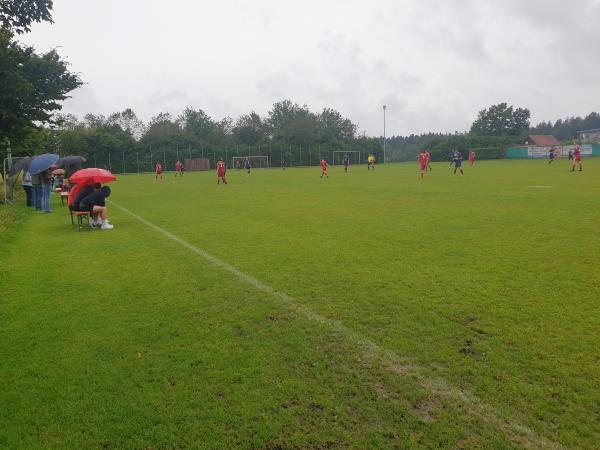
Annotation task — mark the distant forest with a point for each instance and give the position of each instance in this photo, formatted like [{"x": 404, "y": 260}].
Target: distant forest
[
  {"x": 490, "y": 141},
  {"x": 289, "y": 132}
]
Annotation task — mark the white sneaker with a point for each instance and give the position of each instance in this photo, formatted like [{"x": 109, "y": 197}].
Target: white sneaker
[
  {"x": 106, "y": 226},
  {"x": 94, "y": 224}
]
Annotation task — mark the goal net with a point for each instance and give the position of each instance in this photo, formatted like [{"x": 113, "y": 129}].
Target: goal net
[
  {"x": 256, "y": 162},
  {"x": 339, "y": 155}
]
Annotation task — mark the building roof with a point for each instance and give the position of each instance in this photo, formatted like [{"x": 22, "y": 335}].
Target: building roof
[
  {"x": 589, "y": 131},
  {"x": 543, "y": 140}
]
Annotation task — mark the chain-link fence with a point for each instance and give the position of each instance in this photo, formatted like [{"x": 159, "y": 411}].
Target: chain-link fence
[{"x": 279, "y": 155}]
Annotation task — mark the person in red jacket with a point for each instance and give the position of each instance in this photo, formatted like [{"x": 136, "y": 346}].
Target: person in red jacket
[
  {"x": 221, "y": 171},
  {"x": 324, "y": 166},
  {"x": 428, "y": 156},
  {"x": 577, "y": 159},
  {"x": 423, "y": 163},
  {"x": 471, "y": 157}
]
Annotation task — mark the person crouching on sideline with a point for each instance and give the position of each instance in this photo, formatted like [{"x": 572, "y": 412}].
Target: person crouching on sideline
[
  {"x": 83, "y": 193},
  {"x": 95, "y": 203}
]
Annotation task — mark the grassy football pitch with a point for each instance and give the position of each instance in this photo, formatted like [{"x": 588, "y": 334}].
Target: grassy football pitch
[{"x": 367, "y": 310}]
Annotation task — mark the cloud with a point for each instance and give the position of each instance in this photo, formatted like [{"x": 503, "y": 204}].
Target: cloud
[
  {"x": 83, "y": 100},
  {"x": 435, "y": 63}
]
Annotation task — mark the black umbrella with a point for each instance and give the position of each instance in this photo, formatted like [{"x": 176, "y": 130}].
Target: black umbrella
[
  {"x": 41, "y": 163},
  {"x": 70, "y": 161},
  {"x": 22, "y": 164}
]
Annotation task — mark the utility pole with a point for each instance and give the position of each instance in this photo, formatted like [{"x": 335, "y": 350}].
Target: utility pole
[
  {"x": 384, "y": 108},
  {"x": 8, "y": 154}
]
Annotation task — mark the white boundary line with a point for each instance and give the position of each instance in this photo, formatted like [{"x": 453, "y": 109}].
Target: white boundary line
[{"x": 514, "y": 431}]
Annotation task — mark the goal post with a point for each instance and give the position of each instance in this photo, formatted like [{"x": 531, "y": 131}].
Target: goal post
[
  {"x": 256, "y": 162},
  {"x": 338, "y": 157}
]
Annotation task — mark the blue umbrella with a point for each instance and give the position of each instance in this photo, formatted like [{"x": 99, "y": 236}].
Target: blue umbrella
[{"x": 41, "y": 163}]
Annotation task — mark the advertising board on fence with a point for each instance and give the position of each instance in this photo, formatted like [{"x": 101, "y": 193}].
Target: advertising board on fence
[{"x": 560, "y": 151}]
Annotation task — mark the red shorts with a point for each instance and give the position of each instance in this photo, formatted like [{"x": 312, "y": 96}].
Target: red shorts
[
  {"x": 423, "y": 166},
  {"x": 220, "y": 174},
  {"x": 158, "y": 172},
  {"x": 578, "y": 159}
]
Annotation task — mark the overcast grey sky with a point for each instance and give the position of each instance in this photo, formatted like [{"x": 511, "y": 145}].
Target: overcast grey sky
[{"x": 435, "y": 63}]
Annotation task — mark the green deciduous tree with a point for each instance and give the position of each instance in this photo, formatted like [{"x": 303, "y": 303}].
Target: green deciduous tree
[
  {"x": 501, "y": 120},
  {"x": 31, "y": 86},
  {"x": 128, "y": 121},
  {"x": 333, "y": 126},
  {"x": 18, "y": 15},
  {"x": 249, "y": 129},
  {"x": 197, "y": 123},
  {"x": 163, "y": 131}
]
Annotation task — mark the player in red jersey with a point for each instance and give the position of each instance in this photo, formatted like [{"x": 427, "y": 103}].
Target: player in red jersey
[
  {"x": 471, "y": 157},
  {"x": 221, "y": 171},
  {"x": 324, "y": 168},
  {"x": 158, "y": 171},
  {"x": 428, "y": 155},
  {"x": 577, "y": 159},
  {"x": 178, "y": 168},
  {"x": 423, "y": 163}
]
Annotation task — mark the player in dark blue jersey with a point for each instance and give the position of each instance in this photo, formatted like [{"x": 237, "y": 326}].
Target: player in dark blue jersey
[
  {"x": 346, "y": 163},
  {"x": 247, "y": 167},
  {"x": 457, "y": 160}
]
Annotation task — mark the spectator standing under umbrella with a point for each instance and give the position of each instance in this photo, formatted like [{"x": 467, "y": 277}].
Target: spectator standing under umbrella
[
  {"x": 46, "y": 187},
  {"x": 36, "y": 191},
  {"x": 27, "y": 187}
]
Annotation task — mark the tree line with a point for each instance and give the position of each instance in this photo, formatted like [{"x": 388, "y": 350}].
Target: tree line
[
  {"x": 494, "y": 129},
  {"x": 288, "y": 131}
]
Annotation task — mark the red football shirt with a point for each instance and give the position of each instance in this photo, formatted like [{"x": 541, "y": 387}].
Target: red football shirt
[{"x": 323, "y": 164}]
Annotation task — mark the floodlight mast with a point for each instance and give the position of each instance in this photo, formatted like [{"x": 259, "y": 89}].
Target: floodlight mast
[{"x": 384, "y": 108}]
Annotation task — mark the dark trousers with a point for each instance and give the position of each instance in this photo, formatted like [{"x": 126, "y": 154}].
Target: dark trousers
[
  {"x": 29, "y": 192},
  {"x": 37, "y": 196}
]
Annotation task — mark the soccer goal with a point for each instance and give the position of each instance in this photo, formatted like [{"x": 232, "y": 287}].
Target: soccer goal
[
  {"x": 338, "y": 157},
  {"x": 256, "y": 162}
]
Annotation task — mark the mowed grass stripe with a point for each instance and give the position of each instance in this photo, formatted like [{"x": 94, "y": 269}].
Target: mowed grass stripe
[
  {"x": 485, "y": 281},
  {"x": 124, "y": 341},
  {"x": 516, "y": 432}
]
